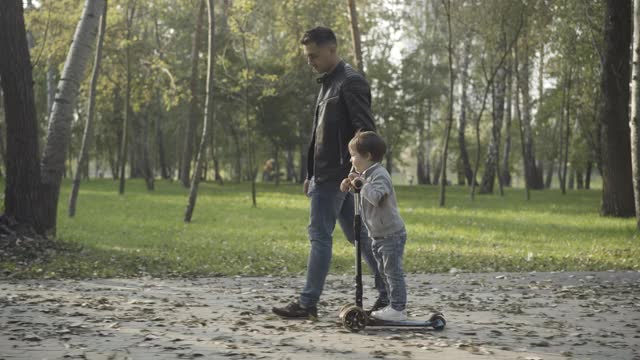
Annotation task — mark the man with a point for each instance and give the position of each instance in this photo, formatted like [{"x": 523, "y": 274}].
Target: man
[{"x": 343, "y": 108}]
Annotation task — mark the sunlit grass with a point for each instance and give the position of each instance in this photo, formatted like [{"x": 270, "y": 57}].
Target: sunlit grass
[{"x": 142, "y": 232}]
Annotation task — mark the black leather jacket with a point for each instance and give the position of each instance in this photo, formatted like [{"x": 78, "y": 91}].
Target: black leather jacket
[{"x": 343, "y": 107}]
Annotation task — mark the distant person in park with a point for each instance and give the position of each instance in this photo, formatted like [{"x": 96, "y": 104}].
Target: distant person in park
[
  {"x": 343, "y": 107},
  {"x": 381, "y": 218}
]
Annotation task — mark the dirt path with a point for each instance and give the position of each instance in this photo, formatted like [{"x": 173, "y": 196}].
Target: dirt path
[{"x": 490, "y": 316}]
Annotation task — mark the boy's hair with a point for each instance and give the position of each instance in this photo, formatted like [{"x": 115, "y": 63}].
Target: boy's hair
[
  {"x": 320, "y": 36},
  {"x": 369, "y": 142}
]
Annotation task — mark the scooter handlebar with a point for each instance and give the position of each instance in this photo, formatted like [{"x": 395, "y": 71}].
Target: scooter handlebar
[{"x": 357, "y": 184}]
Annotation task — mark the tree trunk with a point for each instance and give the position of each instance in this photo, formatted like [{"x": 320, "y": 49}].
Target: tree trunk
[
  {"x": 427, "y": 146},
  {"x": 355, "y": 35},
  {"x": 529, "y": 155},
  {"x": 506, "y": 172},
  {"x": 162, "y": 156},
  {"x": 88, "y": 130},
  {"x": 208, "y": 114},
  {"x": 493, "y": 153},
  {"x": 549, "y": 174},
  {"x": 567, "y": 132},
  {"x": 635, "y": 110},
  {"x": 571, "y": 184},
  {"x": 462, "y": 120},
  {"x": 579, "y": 179},
  {"x": 587, "y": 175},
  {"x": 146, "y": 161},
  {"x": 189, "y": 136},
  {"x": 445, "y": 148},
  {"x": 420, "y": 158},
  {"x": 617, "y": 177},
  {"x": 525, "y": 168},
  {"x": 277, "y": 165},
  {"x": 291, "y": 170},
  {"x": 59, "y": 133},
  {"x": 21, "y": 195},
  {"x": 563, "y": 114},
  {"x": 51, "y": 86},
  {"x": 129, "y": 12}
]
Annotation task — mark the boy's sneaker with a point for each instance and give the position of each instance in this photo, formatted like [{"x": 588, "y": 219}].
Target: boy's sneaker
[
  {"x": 389, "y": 314},
  {"x": 381, "y": 303},
  {"x": 295, "y": 311}
]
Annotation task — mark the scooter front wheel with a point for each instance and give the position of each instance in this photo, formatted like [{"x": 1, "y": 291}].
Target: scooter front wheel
[
  {"x": 437, "y": 321},
  {"x": 353, "y": 318}
]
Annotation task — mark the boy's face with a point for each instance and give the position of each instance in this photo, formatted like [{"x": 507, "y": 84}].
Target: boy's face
[{"x": 360, "y": 161}]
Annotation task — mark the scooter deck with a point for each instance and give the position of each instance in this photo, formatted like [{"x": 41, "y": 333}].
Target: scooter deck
[{"x": 405, "y": 323}]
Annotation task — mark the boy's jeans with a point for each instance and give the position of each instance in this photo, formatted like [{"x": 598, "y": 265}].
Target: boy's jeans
[
  {"x": 329, "y": 204},
  {"x": 389, "y": 251}
]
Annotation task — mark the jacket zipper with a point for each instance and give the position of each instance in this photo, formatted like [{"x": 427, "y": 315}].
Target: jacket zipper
[{"x": 340, "y": 147}]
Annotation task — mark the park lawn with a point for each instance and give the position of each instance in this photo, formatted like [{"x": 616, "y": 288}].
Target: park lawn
[{"x": 142, "y": 233}]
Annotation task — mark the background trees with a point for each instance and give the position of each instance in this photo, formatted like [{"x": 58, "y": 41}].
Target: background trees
[{"x": 561, "y": 93}]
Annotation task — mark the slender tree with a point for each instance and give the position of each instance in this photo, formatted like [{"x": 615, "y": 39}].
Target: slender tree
[
  {"x": 124, "y": 148},
  {"x": 208, "y": 114},
  {"x": 355, "y": 35},
  {"x": 506, "y": 172},
  {"x": 462, "y": 119},
  {"x": 525, "y": 169},
  {"x": 189, "y": 135},
  {"x": 443, "y": 184},
  {"x": 493, "y": 153},
  {"x": 91, "y": 109}
]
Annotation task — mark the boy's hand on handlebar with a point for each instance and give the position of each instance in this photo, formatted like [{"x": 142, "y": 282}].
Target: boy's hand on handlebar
[{"x": 345, "y": 185}]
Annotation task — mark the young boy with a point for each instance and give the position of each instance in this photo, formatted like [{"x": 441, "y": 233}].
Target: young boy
[{"x": 381, "y": 217}]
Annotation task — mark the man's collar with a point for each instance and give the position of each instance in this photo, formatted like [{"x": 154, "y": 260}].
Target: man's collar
[{"x": 331, "y": 74}]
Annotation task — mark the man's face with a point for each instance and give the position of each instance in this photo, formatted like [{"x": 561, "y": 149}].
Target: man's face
[{"x": 320, "y": 58}]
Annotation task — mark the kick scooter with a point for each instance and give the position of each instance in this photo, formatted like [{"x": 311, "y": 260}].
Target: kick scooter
[{"x": 353, "y": 316}]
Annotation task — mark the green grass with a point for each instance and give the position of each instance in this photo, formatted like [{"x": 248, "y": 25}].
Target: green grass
[{"x": 143, "y": 233}]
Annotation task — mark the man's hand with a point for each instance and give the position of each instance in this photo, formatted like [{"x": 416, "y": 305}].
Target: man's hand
[
  {"x": 305, "y": 187},
  {"x": 345, "y": 185}
]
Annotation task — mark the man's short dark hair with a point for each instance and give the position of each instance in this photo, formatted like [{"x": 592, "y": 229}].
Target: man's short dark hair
[
  {"x": 369, "y": 142},
  {"x": 320, "y": 36}
]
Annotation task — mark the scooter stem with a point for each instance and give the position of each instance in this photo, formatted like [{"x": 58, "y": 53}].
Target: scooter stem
[{"x": 357, "y": 227}]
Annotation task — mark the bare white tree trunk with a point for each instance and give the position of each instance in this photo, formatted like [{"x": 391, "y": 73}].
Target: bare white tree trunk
[
  {"x": 59, "y": 132},
  {"x": 208, "y": 115},
  {"x": 443, "y": 184},
  {"x": 635, "y": 109},
  {"x": 91, "y": 109}
]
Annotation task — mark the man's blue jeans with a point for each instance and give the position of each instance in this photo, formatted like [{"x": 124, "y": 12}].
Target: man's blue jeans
[{"x": 328, "y": 205}]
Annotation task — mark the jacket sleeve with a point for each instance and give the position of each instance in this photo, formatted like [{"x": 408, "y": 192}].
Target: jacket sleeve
[
  {"x": 376, "y": 189},
  {"x": 357, "y": 99}
]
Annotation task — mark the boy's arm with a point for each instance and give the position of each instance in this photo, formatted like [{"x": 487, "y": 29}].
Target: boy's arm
[{"x": 376, "y": 189}]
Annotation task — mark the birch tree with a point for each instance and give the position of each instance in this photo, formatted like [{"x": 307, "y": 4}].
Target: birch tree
[
  {"x": 208, "y": 115},
  {"x": 91, "y": 109},
  {"x": 59, "y": 132}
]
